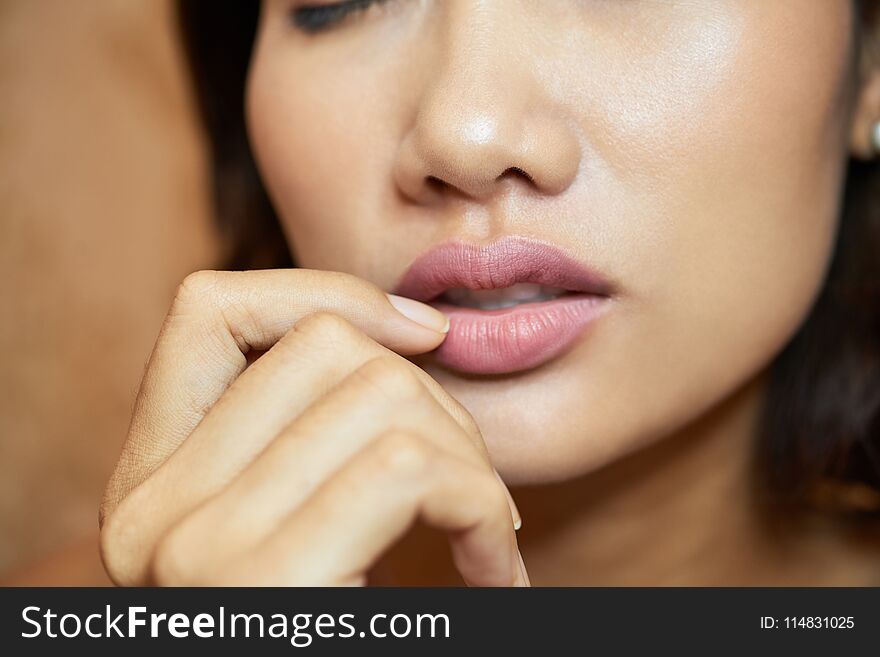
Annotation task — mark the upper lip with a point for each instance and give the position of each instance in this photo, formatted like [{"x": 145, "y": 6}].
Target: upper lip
[{"x": 502, "y": 263}]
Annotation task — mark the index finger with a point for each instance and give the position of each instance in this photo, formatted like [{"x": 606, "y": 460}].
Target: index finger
[{"x": 217, "y": 318}]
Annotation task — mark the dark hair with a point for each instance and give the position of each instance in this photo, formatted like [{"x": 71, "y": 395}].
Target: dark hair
[
  {"x": 218, "y": 37},
  {"x": 819, "y": 440}
]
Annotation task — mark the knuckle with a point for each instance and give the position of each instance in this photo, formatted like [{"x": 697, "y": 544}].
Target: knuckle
[
  {"x": 326, "y": 327},
  {"x": 402, "y": 453},
  {"x": 197, "y": 287},
  {"x": 393, "y": 379}
]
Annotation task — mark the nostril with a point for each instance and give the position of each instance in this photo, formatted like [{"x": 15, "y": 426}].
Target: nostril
[
  {"x": 516, "y": 171},
  {"x": 434, "y": 183}
]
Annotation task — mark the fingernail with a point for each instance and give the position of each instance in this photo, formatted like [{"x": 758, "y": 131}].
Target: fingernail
[
  {"x": 522, "y": 569},
  {"x": 420, "y": 313},
  {"x": 514, "y": 512}
]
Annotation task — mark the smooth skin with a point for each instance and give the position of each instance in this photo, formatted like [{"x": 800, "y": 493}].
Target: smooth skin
[{"x": 694, "y": 152}]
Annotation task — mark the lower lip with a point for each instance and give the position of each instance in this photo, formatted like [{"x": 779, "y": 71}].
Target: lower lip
[{"x": 516, "y": 338}]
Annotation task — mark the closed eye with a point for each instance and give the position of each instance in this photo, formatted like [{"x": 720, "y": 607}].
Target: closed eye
[{"x": 316, "y": 18}]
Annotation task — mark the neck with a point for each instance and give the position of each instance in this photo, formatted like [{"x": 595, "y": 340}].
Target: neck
[{"x": 678, "y": 512}]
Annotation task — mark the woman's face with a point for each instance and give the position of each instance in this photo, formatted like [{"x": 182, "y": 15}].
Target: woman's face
[{"x": 692, "y": 152}]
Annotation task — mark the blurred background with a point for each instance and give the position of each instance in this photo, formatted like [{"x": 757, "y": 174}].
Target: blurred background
[{"x": 105, "y": 208}]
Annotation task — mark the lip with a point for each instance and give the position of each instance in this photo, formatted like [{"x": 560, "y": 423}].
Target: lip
[{"x": 510, "y": 339}]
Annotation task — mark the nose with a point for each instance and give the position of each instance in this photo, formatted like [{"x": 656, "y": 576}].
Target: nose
[{"x": 482, "y": 116}]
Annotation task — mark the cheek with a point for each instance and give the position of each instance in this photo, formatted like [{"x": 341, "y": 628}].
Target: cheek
[
  {"x": 737, "y": 202},
  {"x": 758, "y": 197},
  {"x": 727, "y": 151},
  {"x": 319, "y": 146}
]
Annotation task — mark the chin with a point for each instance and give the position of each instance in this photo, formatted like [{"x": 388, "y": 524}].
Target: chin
[{"x": 536, "y": 424}]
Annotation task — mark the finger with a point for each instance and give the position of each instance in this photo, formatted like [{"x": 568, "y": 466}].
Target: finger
[
  {"x": 378, "y": 397},
  {"x": 306, "y": 364},
  {"x": 319, "y": 352},
  {"x": 385, "y": 391},
  {"x": 301, "y": 367},
  {"x": 217, "y": 318},
  {"x": 353, "y": 518}
]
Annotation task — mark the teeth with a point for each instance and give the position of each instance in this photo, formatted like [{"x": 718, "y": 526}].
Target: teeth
[{"x": 504, "y": 297}]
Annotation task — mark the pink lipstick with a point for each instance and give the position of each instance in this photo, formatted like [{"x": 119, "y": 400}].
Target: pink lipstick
[{"x": 513, "y": 304}]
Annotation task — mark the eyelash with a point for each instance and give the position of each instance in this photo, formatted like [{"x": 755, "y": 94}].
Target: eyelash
[{"x": 316, "y": 18}]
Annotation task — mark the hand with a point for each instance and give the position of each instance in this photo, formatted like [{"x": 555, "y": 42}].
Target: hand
[{"x": 304, "y": 466}]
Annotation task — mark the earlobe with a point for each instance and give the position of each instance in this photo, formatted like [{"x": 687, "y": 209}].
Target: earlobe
[
  {"x": 875, "y": 139},
  {"x": 864, "y": 137}
]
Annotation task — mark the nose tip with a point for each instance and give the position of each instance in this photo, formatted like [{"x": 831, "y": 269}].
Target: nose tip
[
  {"x": 473, "y": 153},
  {"x": 487, "y": 118}
]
